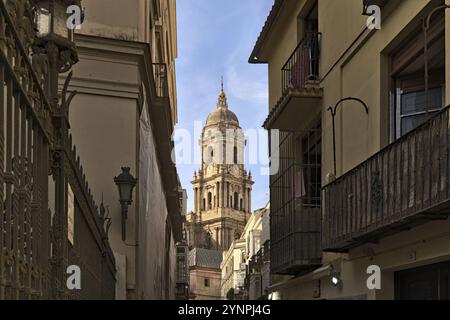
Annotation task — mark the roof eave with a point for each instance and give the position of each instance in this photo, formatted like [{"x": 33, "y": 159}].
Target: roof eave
[{"x": 273, "y": 15}]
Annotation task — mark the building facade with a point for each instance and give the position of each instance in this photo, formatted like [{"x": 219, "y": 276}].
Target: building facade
[
  {"x": 204, "y": 274},
  {"x": 222, "y": 186},
  {"x": 246, "y": 264},
  {"x": 123, "y": 116},
  {"x": 257, "y": 235},
  {"x": 182, "y": 285},
  {"x": 363, "y": 129},
  {"x": 233, "y": 271}
]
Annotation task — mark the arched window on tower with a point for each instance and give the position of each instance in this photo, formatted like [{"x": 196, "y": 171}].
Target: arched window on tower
[
  {"x": 241, "y": 205},
  {"x": 209, "y": 200},
  {"x": 236, "y": 201},
  {"x": 209, "y": 155},
  {"x": 235, "y": 155}
]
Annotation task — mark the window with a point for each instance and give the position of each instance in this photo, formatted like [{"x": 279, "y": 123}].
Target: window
[
  {"x": 235, "y": 155},
  {"x": 209, "y": 155},
  {"x": 413, "y": 107},
  {"x": 236, "y": 201},
  {"x": 209, "y": 200},
  {"x": 311, "y": 21},
  {"x": 411, "y": 103},
  {"x": 308, "y": 181},
  {"x": 180, "y": 250},
  {"x": 206, "y": 282}
]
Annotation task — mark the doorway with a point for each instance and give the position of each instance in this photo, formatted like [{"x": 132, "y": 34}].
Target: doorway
[{"x": 431, "y": 282}]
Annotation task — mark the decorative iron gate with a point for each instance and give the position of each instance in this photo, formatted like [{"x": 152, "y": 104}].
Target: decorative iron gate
[{"x": 38, "y": 167}]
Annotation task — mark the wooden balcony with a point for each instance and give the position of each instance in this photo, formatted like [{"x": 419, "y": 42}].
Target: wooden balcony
[{"x": 404, "y": 185}]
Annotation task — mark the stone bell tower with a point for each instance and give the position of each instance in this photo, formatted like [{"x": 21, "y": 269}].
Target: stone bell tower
[{"x": 222, "y": 186}]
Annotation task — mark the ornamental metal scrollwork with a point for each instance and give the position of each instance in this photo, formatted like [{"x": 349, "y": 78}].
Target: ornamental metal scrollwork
[
  {"x": 66, "y": 99},
  {"x": 41, "y": 65},
  {"x": 105, "y": 218},
  {"x": 55, "y": 163}
]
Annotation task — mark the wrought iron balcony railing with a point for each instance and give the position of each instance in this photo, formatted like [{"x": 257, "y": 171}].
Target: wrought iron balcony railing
[
  {"x": 404, "y": 185},
  {"x": 303, "y": 64}
]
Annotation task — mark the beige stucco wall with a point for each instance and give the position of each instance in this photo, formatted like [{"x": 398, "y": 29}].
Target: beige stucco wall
[
  {"x": 280, "y": 48},
  {"x": 110, "y": 131},
  {"x": 103, "y": 130},
  {"x": 421, "y": 246},
  {"x": 351, "y": 64},
  {"x": 119, "y": 19},
  {"x": 355, "y": 70},
  {"x": 135, "y": 20},
  {"x": 196, "y": 283}
]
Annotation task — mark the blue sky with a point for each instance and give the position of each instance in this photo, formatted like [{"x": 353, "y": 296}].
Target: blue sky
[{"x": 215, "y": 38}]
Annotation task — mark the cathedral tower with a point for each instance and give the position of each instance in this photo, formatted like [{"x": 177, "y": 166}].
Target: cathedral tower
[{"x": 222, "y": 186}]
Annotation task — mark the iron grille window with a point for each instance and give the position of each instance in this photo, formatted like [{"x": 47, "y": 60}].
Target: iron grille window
[
  {"x": 295, "y": 202},
  {"x": 181, "y": 269},
  {"x": 311, "y": 166}
]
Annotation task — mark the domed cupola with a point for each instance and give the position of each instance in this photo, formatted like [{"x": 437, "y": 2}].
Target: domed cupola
[{"x": 222, "y": 115}]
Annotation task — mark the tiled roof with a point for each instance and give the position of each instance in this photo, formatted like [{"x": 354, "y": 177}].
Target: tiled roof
[{"x": 199, "y": 257}]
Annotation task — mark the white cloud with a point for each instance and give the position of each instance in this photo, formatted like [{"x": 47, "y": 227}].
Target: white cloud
[{"x": 246, "y": 87}]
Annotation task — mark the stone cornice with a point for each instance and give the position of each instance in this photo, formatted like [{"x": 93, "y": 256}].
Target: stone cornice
[{"x": 114, "y": 51}]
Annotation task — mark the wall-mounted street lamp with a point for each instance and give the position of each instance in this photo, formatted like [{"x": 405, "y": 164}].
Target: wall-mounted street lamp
[
  {"x": 125, "y": 183},
  {"x": 333, "y": 116},
  {"x": 52, "y": 17},
  {"x": 336, "y": 280},
  {"x": 55, "y": 39}
]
